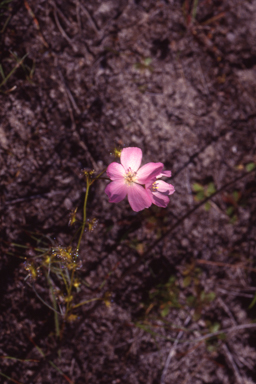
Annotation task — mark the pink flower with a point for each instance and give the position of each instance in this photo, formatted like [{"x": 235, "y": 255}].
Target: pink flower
[
  {"x": 160, "y": 190},
  {"x": 164, "y": 174},
  {"x": 128, "y": 179}
]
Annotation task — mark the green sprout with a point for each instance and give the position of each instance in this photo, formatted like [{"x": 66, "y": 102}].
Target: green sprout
[
  {"x": 164, "y": 297},
  {"x": 232, "y": 200},
  {"x": 250, "y": 167},
  {"x": 199, "y": 299},
  {"x": 202, "y": 192},
  {"x": 144, "y": 65}
]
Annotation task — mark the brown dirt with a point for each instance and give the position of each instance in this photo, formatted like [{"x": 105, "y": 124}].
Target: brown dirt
[{"x": 85, "y": 86}]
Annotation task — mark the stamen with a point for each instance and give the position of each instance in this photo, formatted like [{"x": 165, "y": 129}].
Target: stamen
[
  {"x": 154, "y": 187},
  {"x": 130, "y": 176}
]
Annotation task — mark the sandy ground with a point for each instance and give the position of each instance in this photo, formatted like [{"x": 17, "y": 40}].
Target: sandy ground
[{"x": 178, "y": 80}]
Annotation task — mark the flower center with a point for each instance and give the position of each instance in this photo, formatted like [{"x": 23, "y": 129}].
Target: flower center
[
  {"x": 153, "y": 187},
  {"x": 130, "y": 176}
]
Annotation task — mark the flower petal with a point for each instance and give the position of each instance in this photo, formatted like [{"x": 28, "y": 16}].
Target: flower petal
[
  {"x": 138, "y": 197},
  {"x": 164, "y": 188},
  {"x": 160, "y": 200},
  {"x": 164, "y": 174},
  {"x": 131, "y": 158},
  {"x": 115, "y": 171},
  {"x": 116, "y": 191},
  {"x": 148, "y": 171}
]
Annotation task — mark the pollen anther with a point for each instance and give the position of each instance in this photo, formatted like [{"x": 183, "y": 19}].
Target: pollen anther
[{"x": 130, "y": 177}]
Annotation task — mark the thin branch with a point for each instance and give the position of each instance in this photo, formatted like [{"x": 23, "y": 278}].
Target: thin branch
[
  {"x": 234, "y": 293},
  {"x": 31, "y": 13},
  {"x": 148, "y": 251},
  {"x": 231, "y": 360},
  {"x": 220, "y": 264},
  {"x": 63, "y": 33},
  {"x": 92, "y": 22},
  {"x": 213, "y": 334},
  {"x": 70, "y": 96},
  {"x": 78, "y": 15},
  {"x": 40, "y": 298},
  {"x": 172, "y": 351},
  {"x": 227, "y": 310},
  {"x": 184, "y": 217}
]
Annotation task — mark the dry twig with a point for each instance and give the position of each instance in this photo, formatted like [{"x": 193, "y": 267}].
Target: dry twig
[
  {"x": 233, "y": 364},
  {"x": 226, "y": 330},
  {"x": 31, "y": 13},
  {"x": 220, "y": 264},
  {"x": 63, "y": 33},
  {"x": 91, "y": 21},
  {"x": 69, "y": 94},
  {"x": 172, "y": 351}
]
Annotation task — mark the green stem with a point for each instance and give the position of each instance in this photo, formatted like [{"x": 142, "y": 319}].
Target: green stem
[
  {"x": 84, "y": 213},
  {"x": 89, "y": 182},
  {"x": 85, "y": 302},
  {"x": 56, "y": 316},
  {"x": 98, "y": 177},
  {"x": 69, "y": 293},
  {"x": 64, "y": 279}
]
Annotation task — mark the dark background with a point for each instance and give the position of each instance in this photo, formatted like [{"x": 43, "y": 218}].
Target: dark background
[{"x": 178, "y": 80}]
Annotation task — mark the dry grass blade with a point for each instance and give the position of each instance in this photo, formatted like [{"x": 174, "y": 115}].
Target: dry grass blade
[
  {"x": 9, "y": 378},
  {"x": 31, "y": 13},
  {"x": 6, "y": 78},
  {"x": 50, "y": 362}
]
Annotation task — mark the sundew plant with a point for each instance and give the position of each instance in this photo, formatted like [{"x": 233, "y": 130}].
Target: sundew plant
[{"x": 142, "y": 185}]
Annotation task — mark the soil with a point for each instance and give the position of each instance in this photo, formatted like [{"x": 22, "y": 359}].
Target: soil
[{"x": 177, "y": 285}]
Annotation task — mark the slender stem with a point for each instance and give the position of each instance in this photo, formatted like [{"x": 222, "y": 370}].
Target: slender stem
[
  {"x": 86, "y": 301},
  {"x": 64, "y": 279},
  {"x": 78, "y": 244},
  {"x": 89, "y": 182},
  {"x": 69, "y": 292},
  {"x": 56, "y": 317},
  {"x": 40, "y": 298},
  {"x": 99, "y": 177},
  {"x": 84, "y": 212}
]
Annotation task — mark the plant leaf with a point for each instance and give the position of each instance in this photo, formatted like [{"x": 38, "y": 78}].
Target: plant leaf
[
  {"x": 197, "y": 187},
  {"x": 250, "y": 166},
  {"x": 253, "y": 302}
]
